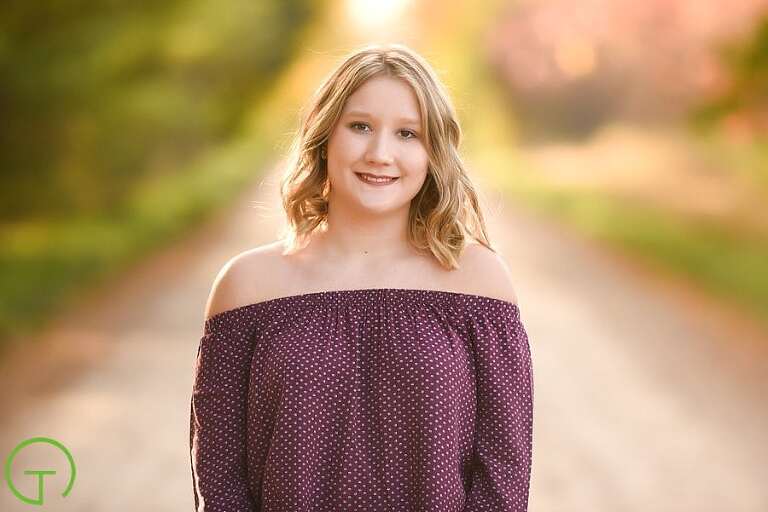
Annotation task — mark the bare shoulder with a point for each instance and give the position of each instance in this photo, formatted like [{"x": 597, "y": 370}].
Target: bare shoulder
[
  {"x": 244, "y": 279},
  {"x": 485, "y": 272}
]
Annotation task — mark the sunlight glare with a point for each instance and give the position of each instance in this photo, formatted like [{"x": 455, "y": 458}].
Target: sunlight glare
[{"x": 368, "y": 15}]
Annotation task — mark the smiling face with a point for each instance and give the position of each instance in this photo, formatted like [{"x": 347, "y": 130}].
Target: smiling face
[{"x": 378, "y": 133}]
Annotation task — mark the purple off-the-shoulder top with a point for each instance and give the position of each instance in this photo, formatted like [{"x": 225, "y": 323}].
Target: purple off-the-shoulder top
[{"x": 383, "y": 399}]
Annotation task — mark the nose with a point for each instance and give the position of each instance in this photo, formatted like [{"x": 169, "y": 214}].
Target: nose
[{"x": 378, "y": 151}]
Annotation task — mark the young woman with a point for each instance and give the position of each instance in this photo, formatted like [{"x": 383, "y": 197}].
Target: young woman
[{"x": 374, "y": 357}]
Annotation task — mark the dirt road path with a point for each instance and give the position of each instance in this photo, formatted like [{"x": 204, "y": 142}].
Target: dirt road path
[{"x": 642, "y": 401}]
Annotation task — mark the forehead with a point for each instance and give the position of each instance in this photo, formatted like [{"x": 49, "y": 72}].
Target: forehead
[{"x": 384, "y": 97}]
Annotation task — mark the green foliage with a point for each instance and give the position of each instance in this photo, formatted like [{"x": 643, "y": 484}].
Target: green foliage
[
  {"x": 98, "y": 96},
  {"x": 46, "y": 262},
  {"x": 747, "y": 67},
  {"x": 121, "y": 130},
  {"x": 711, "y": 253}
]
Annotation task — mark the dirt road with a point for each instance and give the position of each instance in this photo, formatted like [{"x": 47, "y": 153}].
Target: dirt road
[{"x": 645, "y": 398}]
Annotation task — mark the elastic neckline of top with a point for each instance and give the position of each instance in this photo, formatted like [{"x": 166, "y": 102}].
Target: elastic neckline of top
[{"x": 348, "y": 295}]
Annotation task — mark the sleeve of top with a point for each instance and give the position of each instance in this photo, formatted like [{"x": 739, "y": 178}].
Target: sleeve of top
[
  {"x": 218, "y": 418},
  {"x": 501, "y": 466}
]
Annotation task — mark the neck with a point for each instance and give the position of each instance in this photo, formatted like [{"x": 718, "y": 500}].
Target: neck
[{"x": 374, "y": 239}]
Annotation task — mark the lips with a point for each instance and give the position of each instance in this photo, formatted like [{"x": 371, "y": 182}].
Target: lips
[
  {"x": 376, "y": 180},
  {"x": 375, "y": 175}
]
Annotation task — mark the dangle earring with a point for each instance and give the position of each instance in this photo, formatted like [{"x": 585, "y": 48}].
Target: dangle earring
[{"x": 323, "y": 153}]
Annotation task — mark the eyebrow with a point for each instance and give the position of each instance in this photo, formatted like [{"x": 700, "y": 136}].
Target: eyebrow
[{"x": 365, "y": 114}]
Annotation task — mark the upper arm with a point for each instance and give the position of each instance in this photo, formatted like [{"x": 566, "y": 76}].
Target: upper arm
[{"x": 486, "y": 273}]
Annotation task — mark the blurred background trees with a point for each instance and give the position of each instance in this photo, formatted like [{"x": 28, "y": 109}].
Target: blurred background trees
[
  {"x": 123, "y": 124},
  {"x": 96, "y": 96},
  {"x": 570, "y": 67},
  {"x": 741, "y": 106}
]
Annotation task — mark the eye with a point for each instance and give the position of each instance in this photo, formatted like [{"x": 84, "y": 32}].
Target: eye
[{"x": 355, "y": 125}]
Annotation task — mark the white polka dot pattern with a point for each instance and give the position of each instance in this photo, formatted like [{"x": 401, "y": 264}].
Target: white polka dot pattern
[{"x": 383, "y": 399}]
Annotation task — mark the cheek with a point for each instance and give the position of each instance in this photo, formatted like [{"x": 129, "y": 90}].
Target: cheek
[
  {"x": 345, "y": 146},
  {"x": 418, "y": 162}
]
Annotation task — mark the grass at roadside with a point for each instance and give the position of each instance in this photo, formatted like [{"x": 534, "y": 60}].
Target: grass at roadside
[
  {"x": 729, "y": 263},
  {"x": 46, "y": 263}
]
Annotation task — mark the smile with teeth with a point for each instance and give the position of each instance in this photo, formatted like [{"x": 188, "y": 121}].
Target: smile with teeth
[{"x": 369, "y": 178}]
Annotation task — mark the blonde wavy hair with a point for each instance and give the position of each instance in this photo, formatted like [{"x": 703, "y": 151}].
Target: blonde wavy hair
[{"x": 444, "y": 214}]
